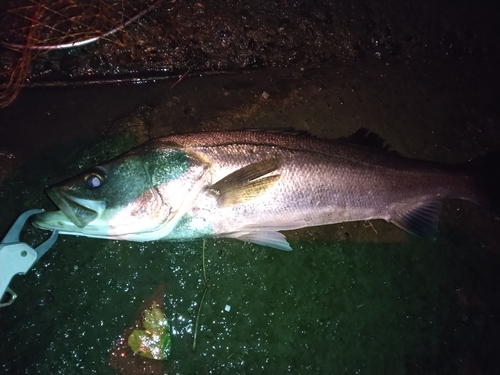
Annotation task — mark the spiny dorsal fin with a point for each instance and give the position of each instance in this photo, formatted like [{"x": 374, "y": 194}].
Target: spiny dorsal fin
[
  {"x": 245, "y": 183},
  {"x": 367, "y": 138},
  {"x": 420, "y": 220}
]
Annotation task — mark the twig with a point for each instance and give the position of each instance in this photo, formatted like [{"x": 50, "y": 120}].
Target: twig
[
  {"x": 180, "y": 78},
  {"x": 371, "y": 226},
  {"x": 205, "y": 282}
]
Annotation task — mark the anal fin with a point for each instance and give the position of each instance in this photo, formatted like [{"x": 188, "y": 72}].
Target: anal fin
[{"x": 420, "y": 220}]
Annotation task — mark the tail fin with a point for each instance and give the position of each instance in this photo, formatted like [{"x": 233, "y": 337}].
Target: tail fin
[{"x": 486, "y": 171}]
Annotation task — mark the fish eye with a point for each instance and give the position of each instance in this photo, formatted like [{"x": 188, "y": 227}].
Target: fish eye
[{"x": 94, "y": 180}]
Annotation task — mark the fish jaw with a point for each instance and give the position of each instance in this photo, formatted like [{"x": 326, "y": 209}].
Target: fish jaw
[
  {"x": 92, "y": 218},
  {"x": 78, "y": 211},
  {"x": 74, "y": 213},
  {"x": 57, "y": 220}
]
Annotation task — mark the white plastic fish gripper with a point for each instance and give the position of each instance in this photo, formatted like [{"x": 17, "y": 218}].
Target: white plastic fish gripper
[{"x": 18, "y": 257}]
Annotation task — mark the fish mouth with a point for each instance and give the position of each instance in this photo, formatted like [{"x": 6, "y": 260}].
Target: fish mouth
[{"x": 74, "y": 211}]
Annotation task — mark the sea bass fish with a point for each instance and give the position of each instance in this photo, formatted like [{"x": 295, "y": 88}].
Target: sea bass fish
[{"x": 249, "y": 185}]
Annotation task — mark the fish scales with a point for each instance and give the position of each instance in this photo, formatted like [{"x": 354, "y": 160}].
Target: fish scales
[{"x": 341, "y": 183}]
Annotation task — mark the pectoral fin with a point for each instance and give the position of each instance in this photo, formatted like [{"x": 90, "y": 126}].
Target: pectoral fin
[{"x": 246, "y": 183}]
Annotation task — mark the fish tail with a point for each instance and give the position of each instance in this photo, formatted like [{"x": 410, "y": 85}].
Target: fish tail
[{"x": 486, "y": 172}]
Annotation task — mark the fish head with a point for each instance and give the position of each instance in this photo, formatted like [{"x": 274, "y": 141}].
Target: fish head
[{"x": 132, "y": 197}]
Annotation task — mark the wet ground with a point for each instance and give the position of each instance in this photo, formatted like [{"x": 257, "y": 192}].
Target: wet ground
[
  {"x": 361, "y": 298},
  {"x": 354, "y": 298},
  {"x": 213, "y": 35}
]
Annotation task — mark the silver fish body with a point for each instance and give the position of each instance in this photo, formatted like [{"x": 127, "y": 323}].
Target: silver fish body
[{"x": 250, "y": 185}]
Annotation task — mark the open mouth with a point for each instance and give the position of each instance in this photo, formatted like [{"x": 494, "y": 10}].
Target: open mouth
[
  {"x": 73, "y": 211},
  {"x": 79, "y": 211}
]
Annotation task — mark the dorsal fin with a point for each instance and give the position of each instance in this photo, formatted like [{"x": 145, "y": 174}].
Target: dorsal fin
[{"x": 367, "y": 138}]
